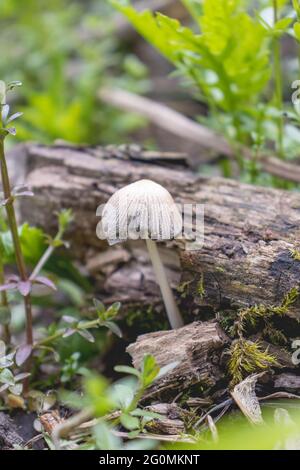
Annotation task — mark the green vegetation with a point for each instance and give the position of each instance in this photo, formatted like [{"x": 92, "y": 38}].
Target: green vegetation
[
  {"x": 232, "y": 62},
  {"x": 63, "y": 52},
  {"x": 61, "y": 346}
]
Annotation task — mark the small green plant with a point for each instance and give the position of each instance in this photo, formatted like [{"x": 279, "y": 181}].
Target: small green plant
[
  {"x": 232, "y": 61},
  {"x": 113, "y": 405},
  {"x": 23, "y": 245},
  {"x": 8, "y": 380}
]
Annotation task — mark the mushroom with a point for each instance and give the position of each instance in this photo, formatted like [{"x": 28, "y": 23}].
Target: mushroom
[{"x": 145, "y": 210}]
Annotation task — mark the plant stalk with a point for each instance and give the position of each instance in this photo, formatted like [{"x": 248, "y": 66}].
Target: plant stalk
[
  {"x": 49, "y": 339},
  {"x": 167, "y": 294},
  {"x": 4, "y": 303},
  {"x": 278, "y": 85},
  {"x": 47, "y": 254},
  {"x": 12, "y": 222}
]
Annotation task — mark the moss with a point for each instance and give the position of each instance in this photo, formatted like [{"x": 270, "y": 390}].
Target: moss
[
  {"x": 247, "y": 357},
  {"x": 200, "y": 287},
  {"x": 295, "y": 254},
  {"x": 183, "y": 289},
  {"x": 252, "y": 315}
]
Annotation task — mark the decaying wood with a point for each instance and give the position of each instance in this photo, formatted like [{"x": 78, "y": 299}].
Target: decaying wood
[
  {"x": 245, "y": 397},
  {"x": 249, "y": 231},
  {"x": 179, "y": 125},
  {"x": 171, "y": 421},
  {"x": 288, "y": 381},
  {"x": 9, "y": 434},
  {"x": 194, "y": 348}
]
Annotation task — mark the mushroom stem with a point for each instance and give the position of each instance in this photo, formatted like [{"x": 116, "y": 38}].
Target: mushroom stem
[{"x": 167, "y": 294}]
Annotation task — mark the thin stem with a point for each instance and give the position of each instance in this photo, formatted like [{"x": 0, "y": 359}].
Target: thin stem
[
  {"x": 12, "y": 222},
  {"x": 49, "y": 339},
  {"x": 167, "y": 294},
  {"x": 278, "y": 85},
  {"x": 41, "y": 262},
  {"x": 4, "y": 303},
  {"x": 65, "y": 427}
]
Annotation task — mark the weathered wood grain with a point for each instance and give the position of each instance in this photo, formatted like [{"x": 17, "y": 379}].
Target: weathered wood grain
[
  {"x": 194, "y": 348},
  {"x": 249, "y": 231}
]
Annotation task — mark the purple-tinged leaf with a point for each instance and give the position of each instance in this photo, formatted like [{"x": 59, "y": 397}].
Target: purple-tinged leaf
[
  {"x": 6, "y": 362},
  {"x": 86, "y": 335},
  {"x": 23, "y": 353},
  {"x": 19, "y": 187},
  {"x": 8, "y": 286},
  {"x": 4, "y": 387},
  {"x": 25, "y": 194},
  {"x": 13, "y": 278},
  {"x": 5, "y": 111},
  {"x": 16, "y": 389},
  {"x": 11, "y": 130},
  {"x": 69, "y": 332},
  {"x": 45, "y": 281},
  {"x": 24, "y": 287},
  {"x": 21, "y": 376},
  {"x": 14, "y": 116},
  {"x": 69, "y": 319},
  {"x": 4, "y": 202},
  {"x": 112, "y": 326}
]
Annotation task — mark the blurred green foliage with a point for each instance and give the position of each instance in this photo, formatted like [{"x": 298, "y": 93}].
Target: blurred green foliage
[
  {"x": 64, "y": 51},
  {"x": 231, "y": 58},
  {"x": 280, "y": 431}
]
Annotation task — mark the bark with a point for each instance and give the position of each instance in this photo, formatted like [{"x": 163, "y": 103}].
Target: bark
[
  {"x": 9, "y": 433},
  {"x": 193, "y": 349},
  {"x": 249, "y": 231}
]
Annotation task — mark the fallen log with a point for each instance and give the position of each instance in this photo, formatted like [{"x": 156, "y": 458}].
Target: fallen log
[{"x": 249, "y": 231}]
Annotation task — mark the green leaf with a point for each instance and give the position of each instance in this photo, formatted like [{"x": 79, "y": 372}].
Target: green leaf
[
  {"x": 113, "y": 310},
  {"x": 297, "y": 30},
  {"x": 150, "y": 370},
  {"x": 100, "y": 308},
  {"x": 128, "y": 370},
  {"x": 6, "y": 377},
  {"x": 100, "y": 397},
  {"x": 105, "y": 439},
  {"x": 114, "y": 328},
  {"x": 129, "y": 422},
  {"x": 232, "y": 47},
  {"x": 65, "y": 217},
  {"x": 283, "y": 24},
  {"x": 86, "y": 334},
  {"x": 123, "y": 395},
  {"x": 146, "y": 414},
  {"x": 194, "y": 7}
]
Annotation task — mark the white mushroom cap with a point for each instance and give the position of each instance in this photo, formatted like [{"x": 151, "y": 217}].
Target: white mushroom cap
[{"x": 141, "y": 210}]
